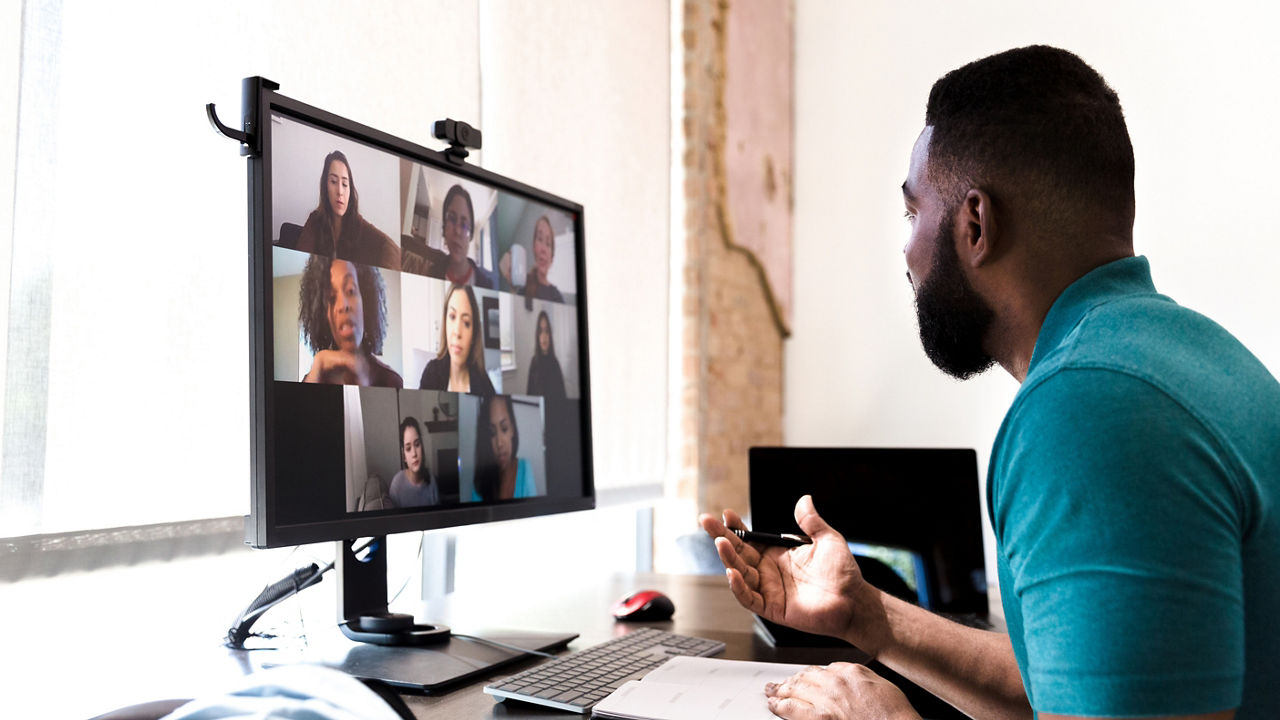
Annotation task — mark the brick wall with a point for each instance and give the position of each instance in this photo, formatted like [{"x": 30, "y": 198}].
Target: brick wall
[{"x": 733, "y": 321}]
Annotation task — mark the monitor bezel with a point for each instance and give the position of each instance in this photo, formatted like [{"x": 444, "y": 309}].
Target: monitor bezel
[{"x": 262, "y": 530}]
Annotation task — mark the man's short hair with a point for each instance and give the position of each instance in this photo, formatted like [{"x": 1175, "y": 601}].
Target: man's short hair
[{"x": 1038, "y": 123}]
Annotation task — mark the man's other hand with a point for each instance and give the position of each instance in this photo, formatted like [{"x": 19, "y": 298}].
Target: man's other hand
[{"x": 839, "y": 690}]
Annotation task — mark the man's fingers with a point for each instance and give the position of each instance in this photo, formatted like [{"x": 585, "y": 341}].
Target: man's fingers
[
  {"x": 794, "y": 697},
  {"x": 746, "y": 597},
  {"x": 790, "y": 708},
  {"x": 732, "y": 558},
  {"x": 734, "y": 520},
  {"x": 717, "y": 529}
]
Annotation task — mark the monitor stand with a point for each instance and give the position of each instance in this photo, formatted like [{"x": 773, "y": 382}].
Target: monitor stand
[{"x": 396, "y": 649}]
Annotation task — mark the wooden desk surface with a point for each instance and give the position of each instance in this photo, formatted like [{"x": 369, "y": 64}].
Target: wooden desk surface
[{"x": 704, "y": 608}]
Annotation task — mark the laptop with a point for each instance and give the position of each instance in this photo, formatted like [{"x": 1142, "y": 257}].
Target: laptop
[{"x": 912, "y": 517}]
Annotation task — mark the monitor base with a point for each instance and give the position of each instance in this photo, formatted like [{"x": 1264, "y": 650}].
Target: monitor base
[
  {"x": 438, "y": 667},
  {"x": 376, "y": 630}
]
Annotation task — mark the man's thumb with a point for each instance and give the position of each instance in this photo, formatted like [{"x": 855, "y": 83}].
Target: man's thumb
[{"x": 810, "y": 522}]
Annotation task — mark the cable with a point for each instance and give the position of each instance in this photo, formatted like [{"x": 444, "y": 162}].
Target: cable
[
  {"x": 276, "y": 593},
  {"x": 273, "y": 595},
  {"x": 502, "y": 645}
]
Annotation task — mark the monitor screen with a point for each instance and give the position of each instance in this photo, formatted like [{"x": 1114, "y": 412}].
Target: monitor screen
[
  {"x": 917, "y": 511},
  {"x": 419, "y": 337}
]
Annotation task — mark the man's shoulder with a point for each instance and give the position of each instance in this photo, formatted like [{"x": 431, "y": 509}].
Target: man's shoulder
[
  {"x": 1166, "y": 348},
  {"x": 1084, "y": 428}
]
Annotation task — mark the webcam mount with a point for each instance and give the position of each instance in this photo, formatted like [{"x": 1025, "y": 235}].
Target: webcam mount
[{"x": 459, "y": 135}]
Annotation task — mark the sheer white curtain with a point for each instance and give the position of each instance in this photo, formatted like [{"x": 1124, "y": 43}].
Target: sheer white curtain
[{"x": 126, "y": 364}]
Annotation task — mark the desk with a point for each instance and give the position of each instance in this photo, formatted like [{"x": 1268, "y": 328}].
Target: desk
[{"x": 704, "y": 608}]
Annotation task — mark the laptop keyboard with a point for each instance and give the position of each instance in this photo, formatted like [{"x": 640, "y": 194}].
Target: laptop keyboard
[{"x": 577, "y": 681}]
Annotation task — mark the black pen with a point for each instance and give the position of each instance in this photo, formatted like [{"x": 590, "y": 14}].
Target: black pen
[{"x": 783, "y": 540}]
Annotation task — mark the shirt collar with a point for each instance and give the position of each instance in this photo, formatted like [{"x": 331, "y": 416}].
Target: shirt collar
[{"x": 1119, "y": 278}]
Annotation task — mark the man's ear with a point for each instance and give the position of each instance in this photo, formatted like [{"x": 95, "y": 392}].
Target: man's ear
[{"x": 977, "y": 229}]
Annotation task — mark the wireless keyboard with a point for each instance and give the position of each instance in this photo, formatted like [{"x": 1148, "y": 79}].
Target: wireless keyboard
[{"x": 579, "y": 680}]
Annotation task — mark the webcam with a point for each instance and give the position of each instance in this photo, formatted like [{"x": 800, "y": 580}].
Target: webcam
[{"x": 459, "y": 135}]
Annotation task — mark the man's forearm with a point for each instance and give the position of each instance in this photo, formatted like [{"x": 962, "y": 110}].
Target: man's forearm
[{"x": 973, "y": 670}]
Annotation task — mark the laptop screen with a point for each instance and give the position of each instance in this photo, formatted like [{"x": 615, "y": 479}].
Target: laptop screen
[{"x": 918, "y": 511}]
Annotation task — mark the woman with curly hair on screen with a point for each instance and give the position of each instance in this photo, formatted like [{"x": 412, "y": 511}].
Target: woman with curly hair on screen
[
  {"x": 342, "y": 309},
  {"x": 336, "y": 228},
  {"x": 459, "y": 364}
]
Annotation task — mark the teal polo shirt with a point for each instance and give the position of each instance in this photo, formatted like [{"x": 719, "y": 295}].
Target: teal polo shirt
[{"x": 1134, "y": 490}]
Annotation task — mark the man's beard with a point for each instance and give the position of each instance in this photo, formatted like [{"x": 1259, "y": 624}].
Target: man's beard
[{"x": 953, "y": 318}]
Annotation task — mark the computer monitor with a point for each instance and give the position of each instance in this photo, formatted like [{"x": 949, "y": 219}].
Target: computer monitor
[{"x": 419, "y": 344}]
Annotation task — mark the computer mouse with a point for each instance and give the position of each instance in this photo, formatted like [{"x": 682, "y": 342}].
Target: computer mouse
[{"x": 644, "y": 605}]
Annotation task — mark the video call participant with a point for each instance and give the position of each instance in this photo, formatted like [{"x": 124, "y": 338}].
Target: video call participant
[
  {"x": 336, "y": 228},
  {"x": 500, "y": 474},
  {"x": 459, "y": 365},
  {"x": 342, "y": 308},
  {"x": 545, "y": 377},
  {"x": 413, "y": 486},
  {"x": 1134, "y": 484},
  {"x": 458, "y": 224},
  {"x": 536, "y": 286}
]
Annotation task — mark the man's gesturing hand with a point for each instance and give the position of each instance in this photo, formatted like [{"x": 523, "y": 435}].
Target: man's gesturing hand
[{"x": 816, "y": 588}]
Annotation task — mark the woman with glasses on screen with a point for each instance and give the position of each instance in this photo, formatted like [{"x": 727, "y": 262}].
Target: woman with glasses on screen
[
  {"x": 545, "y": 377},
  {"x": 342, "y": 309},
  {"x": 336, "y": 228},
  {"x": 500, "y": 474},
  {"x": 459, "y": 364},
  {"x": 458, "y": 224},
  {"x": 413, "y": 486}
]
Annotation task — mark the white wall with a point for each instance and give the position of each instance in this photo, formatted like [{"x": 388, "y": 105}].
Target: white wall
[
  {"x": 10, "y": 62},
  {"x": 1197, "y": 84},
  {"x": 141, "y": 187}
]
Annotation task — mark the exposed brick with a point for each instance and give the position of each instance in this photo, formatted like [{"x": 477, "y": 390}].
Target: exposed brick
[{"x": 732, "y": 366}]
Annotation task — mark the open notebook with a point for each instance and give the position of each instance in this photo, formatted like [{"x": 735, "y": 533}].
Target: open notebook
[{"x": 697, "y": 688}]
